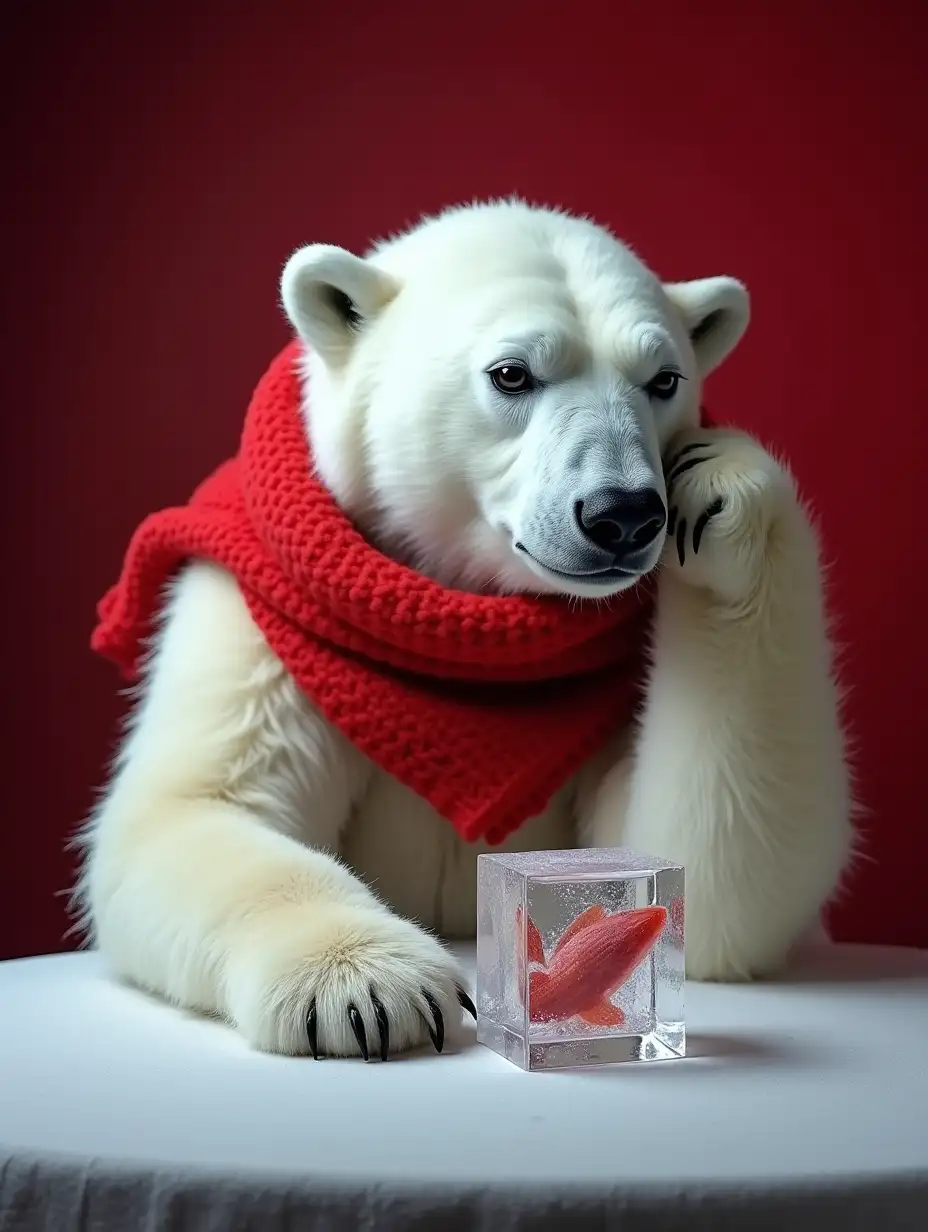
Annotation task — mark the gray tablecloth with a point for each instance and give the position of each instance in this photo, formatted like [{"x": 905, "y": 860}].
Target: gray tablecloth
[{"x": 801, "y": 1102}]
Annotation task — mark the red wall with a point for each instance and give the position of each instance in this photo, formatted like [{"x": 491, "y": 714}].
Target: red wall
[{"x": 161, "y": 160}]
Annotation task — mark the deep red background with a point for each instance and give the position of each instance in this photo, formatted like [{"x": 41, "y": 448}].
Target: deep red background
[{"x": 162, "y": 160}]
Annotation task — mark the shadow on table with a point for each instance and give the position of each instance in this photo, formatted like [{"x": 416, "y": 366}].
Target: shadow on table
[
  {"x": 753, "y": 1049},
  {"x": 711, "y": 1052}
]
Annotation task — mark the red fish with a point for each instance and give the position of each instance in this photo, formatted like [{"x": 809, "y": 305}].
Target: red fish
[
  {"x": 533, "y": 949},
  {"x": 594, "y": 956}
]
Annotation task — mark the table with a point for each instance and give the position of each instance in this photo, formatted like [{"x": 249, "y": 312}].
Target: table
[{"x": 801, "y": 1102}]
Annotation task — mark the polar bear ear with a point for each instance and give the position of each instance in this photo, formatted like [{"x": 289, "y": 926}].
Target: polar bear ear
[
  {"x": 328, "y": 294},
  {"x": 715, "y": 312}
]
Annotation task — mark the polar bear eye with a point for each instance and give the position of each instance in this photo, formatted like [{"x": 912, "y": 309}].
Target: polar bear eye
[
  {"x": 511, "y": 377},
  {"x": 664, "y": 385}
]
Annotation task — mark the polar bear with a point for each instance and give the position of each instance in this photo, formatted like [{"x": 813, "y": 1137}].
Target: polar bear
[{"x": 505, "y": 401}]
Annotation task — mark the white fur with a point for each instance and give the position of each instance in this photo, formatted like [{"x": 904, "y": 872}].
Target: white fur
[{"x": 230, "y": 864}]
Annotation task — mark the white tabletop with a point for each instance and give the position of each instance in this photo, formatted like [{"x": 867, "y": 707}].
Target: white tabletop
[{"x": 806, "y": 1095}]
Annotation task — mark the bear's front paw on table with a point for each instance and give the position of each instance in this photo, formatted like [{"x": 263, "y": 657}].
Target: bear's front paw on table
[{"x": 342, "y": 980}]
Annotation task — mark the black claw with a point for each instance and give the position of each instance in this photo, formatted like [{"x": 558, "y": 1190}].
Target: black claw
[
  {"x": 697, "y": 531},
  {"x": 684, "y": 467},
  {"x": 311, "y": 1031},
  {"x": 672, "y": 520},
  {"x": 672, "y": 461},
  {"x": 681, "y": 541},
  {"x": 702, "y": 521},
  {"x": 467, "y": 1004},
  {"x": 438, "y": 1034},
  {"x": 357, "y": 1026},
  {"x": 383, "y": 1026}
]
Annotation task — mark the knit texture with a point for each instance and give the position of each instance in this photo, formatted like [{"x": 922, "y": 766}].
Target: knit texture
[{"x": 483, "y": 705}]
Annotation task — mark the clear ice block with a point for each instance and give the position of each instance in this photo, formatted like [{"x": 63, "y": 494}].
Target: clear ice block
[{"x": 580, "y": 957}]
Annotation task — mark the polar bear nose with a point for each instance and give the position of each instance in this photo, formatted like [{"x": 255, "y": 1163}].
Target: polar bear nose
[{"x": 622, "y": 522}]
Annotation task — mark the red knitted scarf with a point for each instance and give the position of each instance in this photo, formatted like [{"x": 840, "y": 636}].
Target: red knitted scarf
[{"x": 483, "y": 705}]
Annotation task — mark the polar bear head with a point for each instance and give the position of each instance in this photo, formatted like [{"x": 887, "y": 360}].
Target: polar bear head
[{"x": 488, "y": 395}]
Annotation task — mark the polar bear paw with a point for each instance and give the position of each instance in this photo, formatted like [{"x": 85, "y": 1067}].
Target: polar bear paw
[
  {"x": 723, "y": 493},
  {"x": 342, "y": 980}
]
